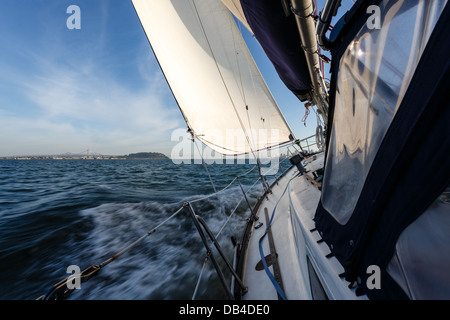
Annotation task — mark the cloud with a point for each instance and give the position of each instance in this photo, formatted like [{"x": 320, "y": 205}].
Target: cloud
[
  {"x": 30, "y": 136},
  {"x": 94, "y": 98},
  {"x": 111, "y": 102},
  {"x": 108, "y": 112}
]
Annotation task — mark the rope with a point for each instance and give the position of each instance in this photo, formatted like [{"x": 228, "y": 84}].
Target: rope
[
  {"x": 261, "y": 251},
  {"x": 263, "y": 259},
  {"x": 213, "y": 194},
  {"x": 199, "y": 278},
  {"x": 220, "y": 231},
  {"x": 234, "y": 210},
  {"x": 320, "y": 141},
  {"x": 92, "y": 270},
  {"x": 244, "y": 174},
  {"x": 229, "y": 185},
  {"x": 203, "y": 161},
  {"x": 233, "y": 103},
  {"x": 59, "y": 291},
  {"x": 132, "y": 245},
  {"x": 86, "y": 274},
  {"x": 306, "y": 113}
]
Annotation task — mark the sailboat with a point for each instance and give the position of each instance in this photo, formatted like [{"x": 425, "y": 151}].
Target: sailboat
[{"x": 366, "y": 217}]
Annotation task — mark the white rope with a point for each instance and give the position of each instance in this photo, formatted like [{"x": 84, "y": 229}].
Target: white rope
[
  {"x": 139, "y": 240},
  {"x": 234, "y": 210},
  {"x": 244, "y": 174},
  {"x": 199, "y": 279},
  {"x": 203, "y": 161},
  {"x": 217, "y": 192}
]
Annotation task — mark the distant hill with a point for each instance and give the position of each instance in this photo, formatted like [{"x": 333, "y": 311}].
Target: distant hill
[{"x": 146, "y": 155}]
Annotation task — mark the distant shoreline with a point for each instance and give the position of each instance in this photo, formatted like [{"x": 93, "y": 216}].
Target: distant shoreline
[{"x": 135, "y": 156}]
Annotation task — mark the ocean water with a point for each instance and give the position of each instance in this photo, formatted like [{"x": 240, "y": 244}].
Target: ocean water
[{"x": 58, "y": 213}]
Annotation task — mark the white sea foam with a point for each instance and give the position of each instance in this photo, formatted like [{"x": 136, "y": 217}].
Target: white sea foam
[{"x": 167, "y": 264}]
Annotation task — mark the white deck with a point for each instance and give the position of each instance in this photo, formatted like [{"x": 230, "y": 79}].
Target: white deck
[{"x": 297, "y": 200}]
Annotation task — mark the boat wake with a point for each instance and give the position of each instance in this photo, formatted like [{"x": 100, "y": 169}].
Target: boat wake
[{"x": 168, "y": 264}]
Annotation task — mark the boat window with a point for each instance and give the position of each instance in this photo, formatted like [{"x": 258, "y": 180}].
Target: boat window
[
  {"x": 373, "y": 76},
  {"x": 423, "y": 245},
  {"x": 317, "y": 290}
]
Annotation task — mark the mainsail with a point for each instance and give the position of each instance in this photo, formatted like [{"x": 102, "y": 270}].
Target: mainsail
[{"x": 217, "y": 85}]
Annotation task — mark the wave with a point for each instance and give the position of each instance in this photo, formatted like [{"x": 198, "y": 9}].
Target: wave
[
  {"x": 81, "y": 213},
  {"x": 167, "y": 264}
]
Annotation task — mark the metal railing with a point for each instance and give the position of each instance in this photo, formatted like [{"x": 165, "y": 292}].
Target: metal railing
[{"x": 310, "y": 145}]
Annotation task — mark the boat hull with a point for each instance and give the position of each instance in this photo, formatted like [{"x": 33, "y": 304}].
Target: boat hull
[{"x": 298, "y": 263}]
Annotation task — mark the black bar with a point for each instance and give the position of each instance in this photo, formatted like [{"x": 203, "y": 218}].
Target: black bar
[
  {"x": 208, "y": 249},
  {"x": 216, "y": 244}
]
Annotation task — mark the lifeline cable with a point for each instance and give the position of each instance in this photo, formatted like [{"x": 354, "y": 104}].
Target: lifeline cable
[
  {"x": 58, "y": 290},
  {"x": 95, "y": 268},
  {"x": 261, "y": 251}
]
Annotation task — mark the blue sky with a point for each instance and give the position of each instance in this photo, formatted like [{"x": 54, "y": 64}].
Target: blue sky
[{"x": 99, "y": 87}]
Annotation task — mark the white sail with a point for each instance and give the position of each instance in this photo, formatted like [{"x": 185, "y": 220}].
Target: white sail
[
  {"x": 236, "y": 9},
  {"x": 212, "y": 75}
]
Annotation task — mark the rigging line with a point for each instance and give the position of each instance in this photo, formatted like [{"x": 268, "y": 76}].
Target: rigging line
[
  {"x": 246, "y": 173},
  {"x": 235, "y": 38},
  {"x": 253, "y": 74},
  {"x": 237, "y": 60},
  {"x": 223, "y": 80},
  {"x": 132, "y": 245},
  {"x": 279, "y": 145},
  {"x": 231, "y": 214},
  {"x": 261, "y": 251},
  {"x": 346, "y": 6},
  {"x": 240, "y": 77},
  {"x": 217, "y": 237},
  {"x": 49, "y": 294},
  {"x": 205, "y": 141},
  {"x": 254, "y": 86},
  {"x": 318, "y": 117},
  {"x": 194, "y": 136},
  {"x": 234, "y": 210},
  {"x": 241, "y": 13},
  {"x": 199, "y": 279},
  {"x": 213, "y": 194}
]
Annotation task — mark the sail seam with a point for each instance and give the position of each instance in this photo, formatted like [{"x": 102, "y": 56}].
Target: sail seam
[{"x": 223, "y": 81}]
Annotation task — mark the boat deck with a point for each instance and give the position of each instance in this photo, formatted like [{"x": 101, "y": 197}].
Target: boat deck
[{"x": 292, "y": 203}]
